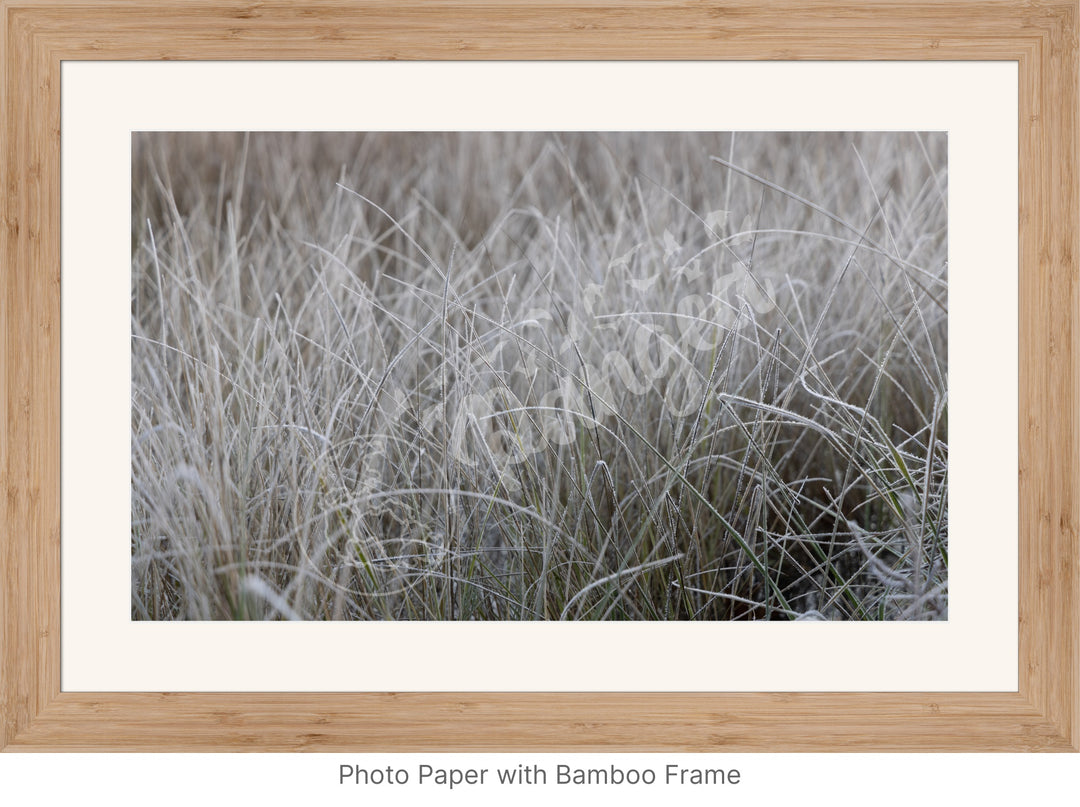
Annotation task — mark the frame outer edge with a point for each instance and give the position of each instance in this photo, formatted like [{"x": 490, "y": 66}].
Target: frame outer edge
[
  {"x": 29, "y": 392},
  {"x": 29, "y": 380},
  {"x": 1049, "y": 372}
]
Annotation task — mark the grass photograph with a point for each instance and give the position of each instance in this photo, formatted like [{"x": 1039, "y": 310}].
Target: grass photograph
[{"x": 539, "y": 376}]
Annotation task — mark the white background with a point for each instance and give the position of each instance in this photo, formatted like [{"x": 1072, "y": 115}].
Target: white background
[
  {"x": 292, "y": 780},
  {"x": 773, "y": 96}
]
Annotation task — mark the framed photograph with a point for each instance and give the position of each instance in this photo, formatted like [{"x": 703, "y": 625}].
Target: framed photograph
[{"x": 503, "y": 376}]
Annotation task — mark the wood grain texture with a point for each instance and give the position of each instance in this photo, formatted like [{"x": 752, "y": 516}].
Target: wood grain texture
[{"x": 1040, "y": 36}]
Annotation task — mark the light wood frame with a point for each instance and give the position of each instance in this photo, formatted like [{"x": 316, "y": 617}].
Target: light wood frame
[{"x": 36, "y": 35}]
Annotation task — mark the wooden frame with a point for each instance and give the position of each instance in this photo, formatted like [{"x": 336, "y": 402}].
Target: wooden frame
[{"x": 1041, "y": 36}]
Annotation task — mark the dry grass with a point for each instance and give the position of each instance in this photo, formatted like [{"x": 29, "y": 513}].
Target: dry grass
[{"x": 539, "y": 376}]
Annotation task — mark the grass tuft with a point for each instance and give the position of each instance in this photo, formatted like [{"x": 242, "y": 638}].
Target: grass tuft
[{"x": 530, "y": 376}]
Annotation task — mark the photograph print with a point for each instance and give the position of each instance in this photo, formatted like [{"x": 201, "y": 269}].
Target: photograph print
[{"x": 539, "y": 376}]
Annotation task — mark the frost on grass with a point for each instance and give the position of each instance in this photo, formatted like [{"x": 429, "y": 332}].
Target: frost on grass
[{"x": 539, "y": 376}]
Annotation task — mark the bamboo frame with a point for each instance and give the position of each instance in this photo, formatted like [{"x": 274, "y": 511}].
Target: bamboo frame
[{"x": 38, "y": 34}]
